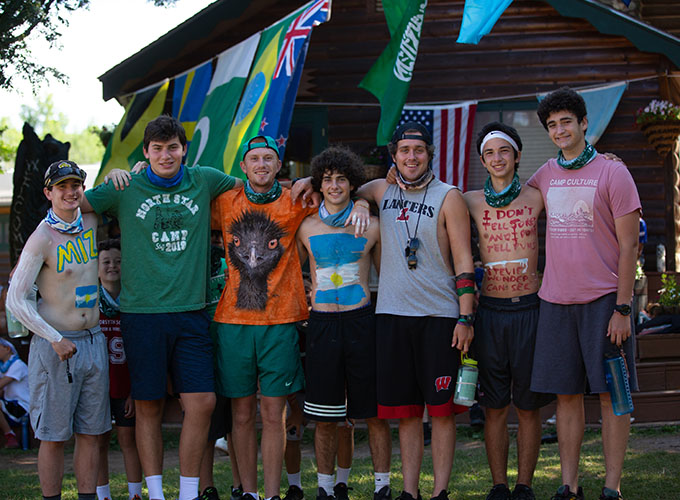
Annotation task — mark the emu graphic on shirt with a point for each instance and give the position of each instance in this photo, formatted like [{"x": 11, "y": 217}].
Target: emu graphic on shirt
[{"x": 255, "y": 250}]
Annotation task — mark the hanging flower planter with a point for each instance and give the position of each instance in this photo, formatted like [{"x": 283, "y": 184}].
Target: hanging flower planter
[
  {"x": 662, "y": 135},
  {"x": 660, "y": 122}
]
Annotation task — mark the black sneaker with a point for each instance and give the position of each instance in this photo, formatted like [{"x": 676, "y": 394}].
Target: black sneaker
[
  {"x": 427, "y": 433},
  {"x": 609, "y": 494},
  {"x": 248, "y": 496},
  {"x": 236, "y": 493},
  {"x": 407, "y": 496},
  {"x": 384, "y": 493},
  {"x": 210, "y": 493},
  {"x": 340, "y": 491},
  {"x": 443, "y": 495},
  {"x": 322, "y": 495},
  {"x": 499, "y": 492},
  {"x": 523, "y": 492},
  {"x": 294, "y": 493},
  {"x": 564, "y": 493}
]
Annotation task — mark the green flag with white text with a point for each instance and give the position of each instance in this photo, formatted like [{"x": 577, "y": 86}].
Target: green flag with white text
[{"x": 390, "y": 76}]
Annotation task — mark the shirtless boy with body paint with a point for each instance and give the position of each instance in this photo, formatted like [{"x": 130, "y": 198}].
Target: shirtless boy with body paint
[
  {"x": 68, "y": 368},
  {"x": 340, "y": 350},
  {"x": 506, "y": 215}
]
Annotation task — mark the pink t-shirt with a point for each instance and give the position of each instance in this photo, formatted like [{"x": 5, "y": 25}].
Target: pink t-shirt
[{"x": 581, "y": 249}]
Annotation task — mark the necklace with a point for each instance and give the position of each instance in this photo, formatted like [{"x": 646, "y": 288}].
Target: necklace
[
  {"x": 262, "y": 198},
  {"x": 505, "y": 197},
  {"x": 413, "y": 244},
  {"x": 586, "y": 156}
]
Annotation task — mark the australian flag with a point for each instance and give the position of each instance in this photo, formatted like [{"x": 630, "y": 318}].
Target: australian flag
[
  {"x": 283, "y": 89},
  {"x": 451, "y": 129}
]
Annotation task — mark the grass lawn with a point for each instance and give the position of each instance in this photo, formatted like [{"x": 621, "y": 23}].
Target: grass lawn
[{"x": 649, "y": 474}]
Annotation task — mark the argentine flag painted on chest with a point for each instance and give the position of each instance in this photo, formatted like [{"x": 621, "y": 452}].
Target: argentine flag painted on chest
[{"x": 337, "y": 268}]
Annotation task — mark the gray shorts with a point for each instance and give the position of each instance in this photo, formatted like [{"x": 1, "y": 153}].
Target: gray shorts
[
  {"x": 570, "y": 345},
  {"x": 59, "y": 407}
]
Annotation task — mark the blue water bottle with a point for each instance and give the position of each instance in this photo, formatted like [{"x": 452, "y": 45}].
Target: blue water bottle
[{"x": 618, "y": 382}]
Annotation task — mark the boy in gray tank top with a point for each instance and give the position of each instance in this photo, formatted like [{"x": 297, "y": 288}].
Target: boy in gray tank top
[{"x": 424, "y": 228}]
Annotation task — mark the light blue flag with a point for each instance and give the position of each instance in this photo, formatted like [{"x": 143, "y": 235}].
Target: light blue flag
[
  {"x": 601, "y": 103},
  {"x": 479, "y": 17}
]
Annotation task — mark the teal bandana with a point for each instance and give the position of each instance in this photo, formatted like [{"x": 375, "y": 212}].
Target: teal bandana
[
  {"x": 586, "y": 156},
  {"x": 262, "y": 198},
  {"x": 338, "y": 219},
  {"x": 505, "y": 197},
  {"x": 107, "y": 304}
]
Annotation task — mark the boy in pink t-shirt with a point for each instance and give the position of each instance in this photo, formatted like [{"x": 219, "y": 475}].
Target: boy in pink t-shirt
[{"x": 592, "y": 211}]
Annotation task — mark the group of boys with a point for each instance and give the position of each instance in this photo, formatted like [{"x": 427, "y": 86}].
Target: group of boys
[{"x": 363, "y": 362}]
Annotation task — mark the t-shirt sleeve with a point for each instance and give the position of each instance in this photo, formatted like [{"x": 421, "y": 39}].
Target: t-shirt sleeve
[
  {"x": 215, "y": 215},
  {"x": 218, "y": 182},
  {"x": 18, "y": 371},
  {"x": 104, "y": 198},
  {"x": 623, "y": 194},
  {"x": 535, "y": 180}
]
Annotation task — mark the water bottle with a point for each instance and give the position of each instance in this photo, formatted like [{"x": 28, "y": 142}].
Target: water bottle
[
  {"x": 466, "y": 384},
  {"x": 661, "y": 258},
  {"x": 616, "y": 375}
]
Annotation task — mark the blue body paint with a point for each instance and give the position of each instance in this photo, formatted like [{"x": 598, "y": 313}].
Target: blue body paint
[
  {"x": 337, "y": 268},
  {"x": 86, "y": 296}
]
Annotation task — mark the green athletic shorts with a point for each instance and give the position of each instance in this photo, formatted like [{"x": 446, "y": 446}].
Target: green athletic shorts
[{"x": 245, "y": 354}]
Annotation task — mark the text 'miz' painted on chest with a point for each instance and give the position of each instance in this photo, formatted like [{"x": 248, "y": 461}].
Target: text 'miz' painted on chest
[{"x": 80, "y": 251}]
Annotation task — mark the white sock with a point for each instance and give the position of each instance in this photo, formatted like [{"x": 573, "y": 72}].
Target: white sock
[
  {"x": 294, "y": 480},
  {"x": 188, "y": 488},
  {"x": 326, "y": 481},
  {"x": 342, "y": 475},
  {"x": 104, "y": 492},
  {"x": 381, "y": 479},
  {"x": 135, "y": 489},
  {"x": 155, "y": 486}
]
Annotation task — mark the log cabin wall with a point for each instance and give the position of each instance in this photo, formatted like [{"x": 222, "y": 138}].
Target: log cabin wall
[{"x": 531, "y": 49}]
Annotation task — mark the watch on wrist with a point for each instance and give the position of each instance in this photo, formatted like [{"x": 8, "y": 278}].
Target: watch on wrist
[{"x": 623, "y": 309}]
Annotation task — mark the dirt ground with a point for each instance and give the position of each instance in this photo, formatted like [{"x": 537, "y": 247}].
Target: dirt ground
[{"x": 29, "y": 459}]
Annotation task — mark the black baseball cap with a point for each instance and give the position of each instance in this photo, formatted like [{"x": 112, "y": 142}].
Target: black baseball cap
[
  {"x": 401, "y": 133},
  {"x": 62, "y": 170}
]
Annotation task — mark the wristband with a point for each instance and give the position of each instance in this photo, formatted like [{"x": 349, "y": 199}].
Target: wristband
[{"x": 466, "y": 319}]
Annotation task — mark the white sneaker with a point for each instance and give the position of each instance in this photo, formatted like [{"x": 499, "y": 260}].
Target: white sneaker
[
  {"x": 552, "y": 420},
  {"x": 221, "y": 444}
]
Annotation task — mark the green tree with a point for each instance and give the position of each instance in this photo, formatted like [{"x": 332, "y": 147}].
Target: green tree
[
  {"x": 21, "y": 18},
  {"x": 9, "y": 141}
]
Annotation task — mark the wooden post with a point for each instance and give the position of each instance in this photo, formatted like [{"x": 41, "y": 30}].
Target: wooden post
[{"x": 672, "y": 181}]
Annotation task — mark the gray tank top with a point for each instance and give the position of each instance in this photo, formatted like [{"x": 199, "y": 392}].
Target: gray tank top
[{"x": 428, "y": 290}]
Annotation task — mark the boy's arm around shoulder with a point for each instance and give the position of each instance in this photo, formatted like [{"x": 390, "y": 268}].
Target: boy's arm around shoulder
[{"x": 30, "y": 264}]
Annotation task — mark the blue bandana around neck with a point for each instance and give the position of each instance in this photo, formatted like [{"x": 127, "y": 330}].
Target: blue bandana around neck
[
  {"x": 337, "y": 219},
  {"x": 159, "y": 181},
  {"x": 62, "y": 226},
  {"x": 4, "y": 366}
]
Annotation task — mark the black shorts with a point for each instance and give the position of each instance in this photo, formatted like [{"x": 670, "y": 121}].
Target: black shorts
[
  {"x": 416, "y": 366},
  {"x": 118, "y": 413},
  {"x": 220, "y": 421},
  {"x": 340, "y": 359},
  {"x": 505, "y": 337}
]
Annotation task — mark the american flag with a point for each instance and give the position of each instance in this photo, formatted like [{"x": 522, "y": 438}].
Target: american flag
[
  {"x": 299, "y": 29},
  {"x": 451, "y": 129}
]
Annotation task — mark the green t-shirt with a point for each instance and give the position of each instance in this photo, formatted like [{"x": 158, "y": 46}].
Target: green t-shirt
[{"x": 165, "y": 236}]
